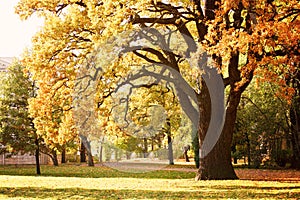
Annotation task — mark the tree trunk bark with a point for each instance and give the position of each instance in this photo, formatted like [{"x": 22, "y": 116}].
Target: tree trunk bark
[
  {"x": 37, "y": 156},
  {"x": 63, "y": 155},
  {"x": 233, "y": 149},
  {"x": 101, "y": 153},
  {"x": 248, "y": 149},
  {"x": 185, "y": 153},
  {"x": 295, "y": 137},
  {"x": 217, "y": 163},
  {"x": 170, "y": 150},
  {"x": 88, "y": 148},
  {"x": 82, "y": 153},
  {"x": 196, "y": 148},
  {"x": 54, "y": 158},
  {"x": 145, "y": 150},
  {"x": 90, "y": 159}
]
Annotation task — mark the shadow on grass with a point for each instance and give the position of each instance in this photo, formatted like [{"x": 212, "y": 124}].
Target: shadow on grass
[{"x": 79, "y": 193}]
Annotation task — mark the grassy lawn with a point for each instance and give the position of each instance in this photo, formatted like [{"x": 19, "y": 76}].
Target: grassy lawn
[{"x": 80, "y": 182}]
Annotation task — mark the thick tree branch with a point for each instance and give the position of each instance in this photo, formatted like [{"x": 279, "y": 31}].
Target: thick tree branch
[
  {"x": 186, "y": 34},
  {"x": 146, "y": 58},
  {"x": 138, "y": 20}
]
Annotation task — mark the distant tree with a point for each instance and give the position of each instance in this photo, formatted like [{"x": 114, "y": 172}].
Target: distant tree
[
  {"x": 154, "y": 115},
  {"x": 86, "y": 147},
  {"x": 82, "y": 153},
  {"x": 185, "y": 152},
  {"x": 293, "y": 80},
  {"x": 17, "y": 131},
  {"x": 262, "y": 125}
]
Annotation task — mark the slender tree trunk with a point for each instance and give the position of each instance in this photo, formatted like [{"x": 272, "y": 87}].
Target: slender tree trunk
[
  {"x": 195, "y": 145},
  {"x": 63, "y": 155},
  {"x": 101, "y": 153},
  {"x": 37, "y": 157},
  {"x": 88, "y": 148},
  {"x": 233, "y": 149},
  {"x": 170, "y": 150},
  {"x": 152, "y": 144},
  {"x": 295, "y": 137},
  {"x": 170, "y": 142},
  {"x": 248, "y": 149},
  {"x": 185, "y": 153},
  {"x": 101, "y": 149},
  {"x": 90, "y": 159},
  {"x": 82, "y": 153},
  {"x": 145, "y": 148},
  {"x": 54, "y": 158}
]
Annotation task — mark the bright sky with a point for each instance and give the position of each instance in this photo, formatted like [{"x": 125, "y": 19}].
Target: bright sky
[{"x": 15, "y": 35}]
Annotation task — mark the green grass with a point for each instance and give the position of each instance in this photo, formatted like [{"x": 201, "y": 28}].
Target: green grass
[
  {"x": 80, "y": 182},
  {"x": 91, "y": 172}
]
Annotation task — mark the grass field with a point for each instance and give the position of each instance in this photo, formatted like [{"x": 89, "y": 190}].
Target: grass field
[{"x": 81, "y": 182}]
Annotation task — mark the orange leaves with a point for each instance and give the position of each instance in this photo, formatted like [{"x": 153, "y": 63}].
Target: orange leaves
[
  {"x": 286, "y": 93},
  {"x": 276, "y": 77},
  {"x": 267, "y": 39},
  {"x": 234, "y": 4},
  {"x": 229, "y": 4}
]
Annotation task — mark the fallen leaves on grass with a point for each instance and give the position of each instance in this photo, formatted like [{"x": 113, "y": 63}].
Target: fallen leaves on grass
[{"x": 268, "y": 175}]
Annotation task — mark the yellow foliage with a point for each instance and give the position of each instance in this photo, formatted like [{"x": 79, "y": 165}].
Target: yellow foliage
[{"x": 74, "y": 29}]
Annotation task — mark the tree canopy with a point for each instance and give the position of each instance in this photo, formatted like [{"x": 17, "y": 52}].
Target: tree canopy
[{"x": 17, "y": 131}]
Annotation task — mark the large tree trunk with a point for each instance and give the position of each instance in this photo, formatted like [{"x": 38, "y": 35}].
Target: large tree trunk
[{"x": 216, "y": 164}]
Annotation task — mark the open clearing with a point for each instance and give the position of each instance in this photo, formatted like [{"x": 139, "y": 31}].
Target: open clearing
[{"x": 80, "y": 182}]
